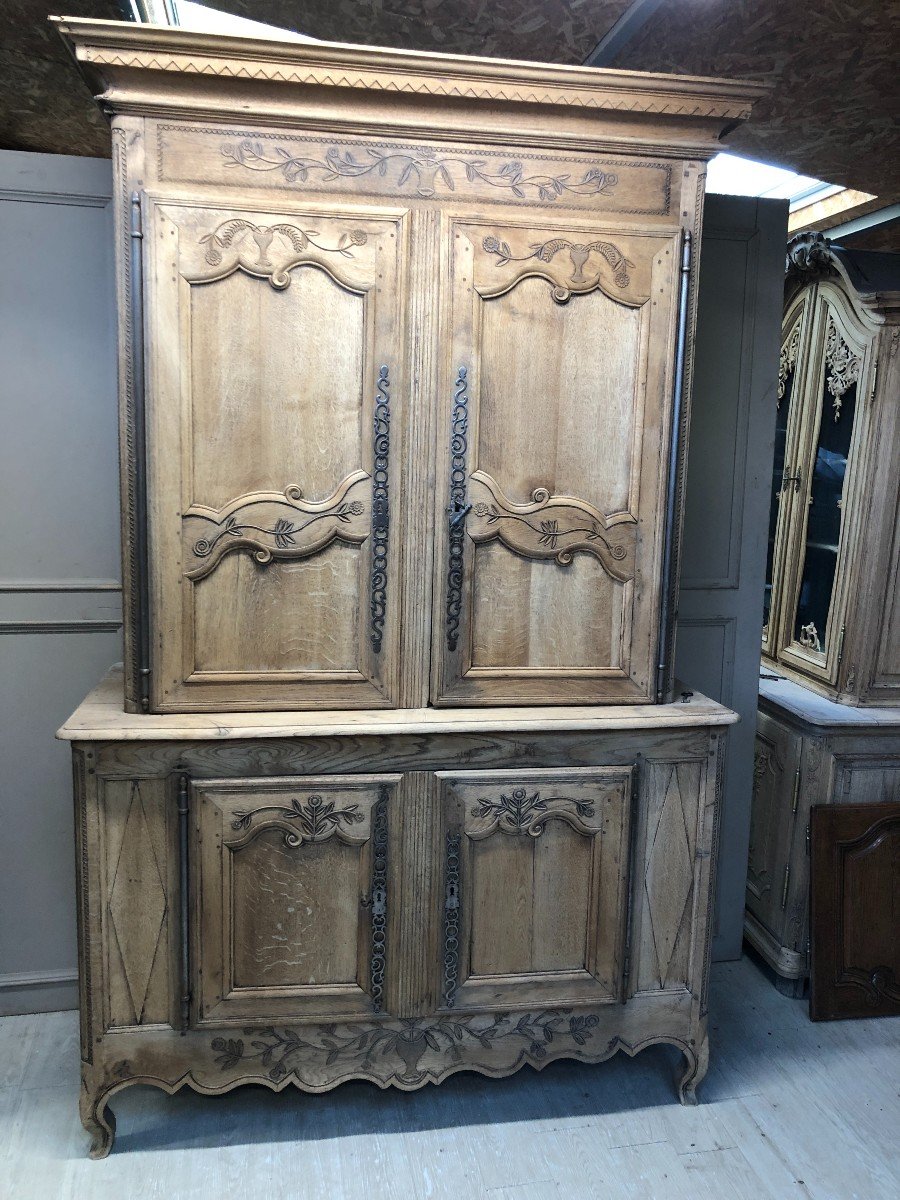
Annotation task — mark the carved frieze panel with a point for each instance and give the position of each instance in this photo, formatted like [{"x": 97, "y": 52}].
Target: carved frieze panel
[
  {"x": 554, "y": 527},
  {"x": 309, "y": 165},
  {"x": 280, "y": 525}
]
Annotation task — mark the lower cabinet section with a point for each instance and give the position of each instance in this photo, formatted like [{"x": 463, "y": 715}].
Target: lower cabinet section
[{"x": 312, "y": 909}]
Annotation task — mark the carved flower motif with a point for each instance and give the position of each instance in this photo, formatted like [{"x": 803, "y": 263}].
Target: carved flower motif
[
  {"x": 358, "y": 237},
  {"x": 491, "y": 244},
  {"x": 356, "y": 507},
  {"x": 481, "y": 509}
]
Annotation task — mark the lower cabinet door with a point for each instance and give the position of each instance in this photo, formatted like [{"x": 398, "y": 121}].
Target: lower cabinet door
[
  {"x": 535, "y": 886},
  {"x": 293, "y": 895}
]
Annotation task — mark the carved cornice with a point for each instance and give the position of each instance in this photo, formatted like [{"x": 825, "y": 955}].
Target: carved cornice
[{"x": 104, "y": 47}]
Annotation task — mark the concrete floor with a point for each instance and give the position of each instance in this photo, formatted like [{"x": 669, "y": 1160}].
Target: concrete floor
[{"x": 789, "y": 1109}]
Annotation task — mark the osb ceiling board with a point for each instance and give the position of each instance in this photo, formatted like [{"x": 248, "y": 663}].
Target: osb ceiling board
[
  {"x": 561, "y": 31},
  {"x": 834, "y": 113},
  {"x": 835, "y": 110},
  {"x": 44, "y": 104}
]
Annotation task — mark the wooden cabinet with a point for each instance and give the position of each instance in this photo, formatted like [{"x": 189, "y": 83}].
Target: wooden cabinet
[
  {"x": 405, "y": 363},
  {"x": 273, "y": 898},
  {"x": 809, "y": 751},
  {"x": 830, "y": 616}
]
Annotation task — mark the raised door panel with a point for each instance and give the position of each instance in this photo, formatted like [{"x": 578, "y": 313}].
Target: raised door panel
[
  {"x": 555, "y": 414},
  {"x": 776, "y": 791},
  {"x": 293, "y": 897},
  {"x": 855, "y": 911},
  {"x": 535, "y": 886},
  {"x": 275, "y": 379},
  {"x": 826, "y": 510}
]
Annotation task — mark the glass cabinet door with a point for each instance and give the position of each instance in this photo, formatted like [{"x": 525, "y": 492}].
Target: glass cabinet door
[
  {"x": 784, "y": 480},
  {"x": 811, "y": 632}
]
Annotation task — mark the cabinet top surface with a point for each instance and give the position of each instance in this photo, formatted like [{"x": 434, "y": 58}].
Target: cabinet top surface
[
  {"x": 111, "y": 52},
  {"x": 100, "y": 717},
  {"x": 778, "y": 693}
]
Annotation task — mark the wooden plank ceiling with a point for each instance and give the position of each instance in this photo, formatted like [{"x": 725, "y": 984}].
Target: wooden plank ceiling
[{"x": 833, "y": 114}]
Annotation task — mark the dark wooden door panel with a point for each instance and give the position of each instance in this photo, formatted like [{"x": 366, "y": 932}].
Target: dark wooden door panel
[{"x": 855, "y": 911}]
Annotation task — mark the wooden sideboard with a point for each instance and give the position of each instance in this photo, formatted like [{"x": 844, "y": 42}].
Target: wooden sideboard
[
  {"x": 809, "y": 750},
  {"x": 401, "y": 786},
  {"x": 297, "y": 898}
]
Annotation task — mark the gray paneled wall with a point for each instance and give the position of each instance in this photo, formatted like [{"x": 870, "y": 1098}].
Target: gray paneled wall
[
  {"x": 727, "y": 500},
  {"x": 59, "y": 541}
]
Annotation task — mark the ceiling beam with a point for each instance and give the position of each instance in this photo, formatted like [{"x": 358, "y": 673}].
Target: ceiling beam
[{"x": 631, "y": 22}]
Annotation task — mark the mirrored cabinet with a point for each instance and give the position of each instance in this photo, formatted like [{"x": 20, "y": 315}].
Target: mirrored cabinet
[{"x": 831, "y": 615}]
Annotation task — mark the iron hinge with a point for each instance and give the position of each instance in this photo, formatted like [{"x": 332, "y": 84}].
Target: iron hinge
[
  {"x": 807, "y": 838},
  {"x": 840, "y": 653},
  {"x": 796, "y": 794},
  {"x": 784, "y": 890},
  {"x": 874, "y": 381}
]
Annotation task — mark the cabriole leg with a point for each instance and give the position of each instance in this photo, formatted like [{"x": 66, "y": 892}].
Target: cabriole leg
[{"x": 694, "y": 1072}]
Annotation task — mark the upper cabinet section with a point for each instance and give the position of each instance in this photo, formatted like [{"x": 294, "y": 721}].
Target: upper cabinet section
[
  {"x": 405, "y": 365},
  {"x": 831, "y": 614}
]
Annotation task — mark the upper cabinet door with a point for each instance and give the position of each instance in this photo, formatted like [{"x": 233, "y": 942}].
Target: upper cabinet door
[
  {"x": 826, "y": 501},
  {"x": 275, "y": 385},
  {"x": 556, "y": 398}
]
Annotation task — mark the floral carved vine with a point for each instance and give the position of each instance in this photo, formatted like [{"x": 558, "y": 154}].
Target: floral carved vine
[
  {"x": 578, "y": 253},
  {"x": 316, "y": 819},
  {"x": 283, "y": 1051},
  {"x": 422, "y": 170},
  {"x": 233, "y": 235},
  {"x": 520, "y": 812}
]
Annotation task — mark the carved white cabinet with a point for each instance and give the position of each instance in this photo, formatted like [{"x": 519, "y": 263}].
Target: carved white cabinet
[{"x": 832, "y": 621}]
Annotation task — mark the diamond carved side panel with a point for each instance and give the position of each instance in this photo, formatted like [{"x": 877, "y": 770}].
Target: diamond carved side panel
[
  {"x": 137, "y": 903},
  {"x": 667, "y": 879}
]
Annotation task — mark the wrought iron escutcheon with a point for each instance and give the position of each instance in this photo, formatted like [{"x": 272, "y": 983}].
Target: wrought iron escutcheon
[
  {"x": 451, "y": 919},
  {"x": 380, "y": 509},
  {"x": 377, "y": 900},
  {"x": 458, "y": 509},
  {"x": 184, "y": 901}
]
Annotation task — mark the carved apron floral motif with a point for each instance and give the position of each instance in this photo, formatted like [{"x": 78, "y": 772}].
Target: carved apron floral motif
[{"x": 284, "y": 1051}]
